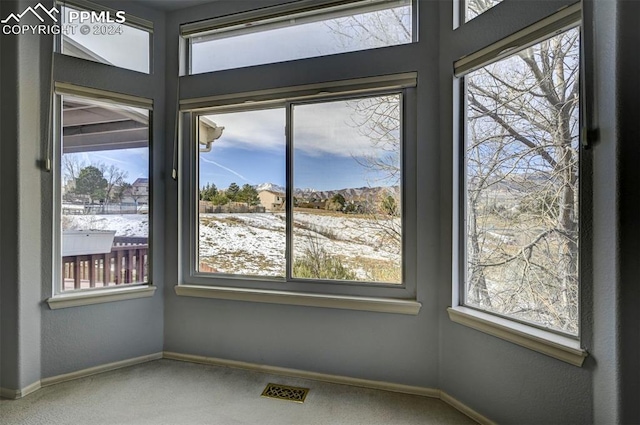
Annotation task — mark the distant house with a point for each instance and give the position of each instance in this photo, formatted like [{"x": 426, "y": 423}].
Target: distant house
[
  {"x": 271, "y": 200},
  {"x": 138, "y": 194}
]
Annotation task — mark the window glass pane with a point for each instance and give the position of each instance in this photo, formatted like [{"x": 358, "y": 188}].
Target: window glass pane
[
  {"x": 522, "y": 174},
  {"x": 110, "y": 43},
  {"x": 474, "y": 8},
  {"x": 105, "y": 194},
  {"x": 241, "y": 201},
  {"x": 346, "y": 186},
  {"x": 298, "y": 38}
]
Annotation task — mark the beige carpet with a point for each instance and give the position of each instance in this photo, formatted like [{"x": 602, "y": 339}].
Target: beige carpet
[{"x": 171, "y": 392}]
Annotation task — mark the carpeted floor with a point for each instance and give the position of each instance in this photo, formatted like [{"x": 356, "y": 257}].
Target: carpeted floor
[{"x": 171, "y": 392}]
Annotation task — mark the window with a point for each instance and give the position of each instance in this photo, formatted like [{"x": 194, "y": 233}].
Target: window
[
  {"x": 103, "y": 193},
  {"x": 106, "y": 40},
  {"x": 241, "y": 213},
  {"x": 473, "y": 8},
  {"x": 334, "y": 207},
  {"x": 522, "y": 170},
  {"x": 320, "y": 30}
]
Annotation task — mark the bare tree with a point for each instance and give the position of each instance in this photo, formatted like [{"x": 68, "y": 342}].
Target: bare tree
[
  {"x": 115, "y": 177},
  {"x": 522, "y": 173},
  {"x": 521, "y": 164},
  {"x": 71, "y": 165},
  {"x": 474, "y": 8}
]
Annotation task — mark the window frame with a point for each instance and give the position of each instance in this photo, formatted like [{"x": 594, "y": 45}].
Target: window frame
[
  {"x": 130, "y": 21},
  {"x": 288, "y": 97},
  {"x": 273, "y": 14},
  {"x": 70, "y": 298},
  {"x": 561, "y": 345}
]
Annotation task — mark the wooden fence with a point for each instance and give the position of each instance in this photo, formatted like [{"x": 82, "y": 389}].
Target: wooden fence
[{"x": 128, "y": 262}]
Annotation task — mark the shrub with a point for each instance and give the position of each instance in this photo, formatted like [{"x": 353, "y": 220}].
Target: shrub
[{"x": 317, "y": 263}]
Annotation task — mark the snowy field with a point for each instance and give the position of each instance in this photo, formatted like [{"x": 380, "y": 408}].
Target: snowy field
[{"x": 254, "y": 244}]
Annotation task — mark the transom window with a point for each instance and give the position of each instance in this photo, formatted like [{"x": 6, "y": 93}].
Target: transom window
[
  {"x": 473, "y": 8},
  {"x": 108, "y": 36},
  {"x": 321, "y": 201},
  {"x": 317, "y": 29}
]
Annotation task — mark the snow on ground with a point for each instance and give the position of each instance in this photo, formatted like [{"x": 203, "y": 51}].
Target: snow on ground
[
  {"x": 124, "y": 225},
  {"x": 254, "y": 244},
  {"x": 251, "y": 244}
]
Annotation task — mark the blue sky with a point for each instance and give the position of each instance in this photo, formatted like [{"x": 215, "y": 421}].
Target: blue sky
[{"x": 328, "y": 149}]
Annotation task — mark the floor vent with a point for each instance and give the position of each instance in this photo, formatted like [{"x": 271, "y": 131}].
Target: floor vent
[{"x": 284, "y": 392}]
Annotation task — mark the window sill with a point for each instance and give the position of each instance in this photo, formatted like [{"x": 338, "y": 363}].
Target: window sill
[
  {"x": 545, "y": 342},
  {"x": 347, "y": 302},
  {"x": 100, "y": 296}
]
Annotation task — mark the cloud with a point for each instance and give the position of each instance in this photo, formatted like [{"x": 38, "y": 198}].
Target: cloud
[
  {"x": 227, "y": 169},
  {"x": 109, "y": 158},
  {"x": 326, "y": 128},
  {"x": 329, "y": 128},
  {"x": 263, "y": 129}
]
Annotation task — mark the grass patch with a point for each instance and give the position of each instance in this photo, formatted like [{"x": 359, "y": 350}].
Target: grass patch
[
  {"x": 317, "y": 263},
  {"x": 376, "y": 270}
]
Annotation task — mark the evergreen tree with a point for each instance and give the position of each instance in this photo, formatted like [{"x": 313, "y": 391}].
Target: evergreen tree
[
  {"x": 91, "y": 182},
  {"x": 232, "y": 192},
  {"x": 208, "y": 192},
  {"x": 248, "y": 194}
]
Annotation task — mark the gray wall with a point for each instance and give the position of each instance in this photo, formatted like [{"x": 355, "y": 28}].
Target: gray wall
[
  {"x": 626, "y": 77},
  {"x": 77, "y": 338},
  {"x": 39, "y": 342},
  {"x": 505, "y": 382},
  {"x": 388, "y": 347},
  {"x": 20, "y": 308},
  {"x": 513, "y": 385}
]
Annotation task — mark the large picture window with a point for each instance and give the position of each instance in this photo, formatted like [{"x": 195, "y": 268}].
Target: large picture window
[
  {"x": 522, "y": 169},
  {"x": 330, "y": 211},
  {"x": 104, "y": 194}
]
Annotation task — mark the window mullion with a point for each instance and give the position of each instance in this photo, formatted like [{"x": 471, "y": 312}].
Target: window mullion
[{"x": 289, "y": 190}]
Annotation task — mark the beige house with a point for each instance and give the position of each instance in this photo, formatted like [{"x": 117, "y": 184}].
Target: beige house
[
  {"x": 271, "y": 200},
  {"x": 138, "y": 194}
]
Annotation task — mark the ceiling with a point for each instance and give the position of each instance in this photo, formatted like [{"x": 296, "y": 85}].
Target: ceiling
[
  {"x": 170, "y": 5},
  {"x": 88, "y": 126}
]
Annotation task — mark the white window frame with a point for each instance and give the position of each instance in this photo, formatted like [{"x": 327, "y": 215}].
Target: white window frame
[
  {"x": 395, "y": 298},
  {"x": 550, "y": 342},
  {"x": 80, "y": 297}
]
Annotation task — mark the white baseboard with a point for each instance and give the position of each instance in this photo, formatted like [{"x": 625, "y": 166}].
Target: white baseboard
[
  {"x": 99, "y": 369},
  {"x": 16, "y": 394},
  {"x": 463, "y": 408},
  {"x": 294, "y": 373},
  {"x": 335, "y": 379}
]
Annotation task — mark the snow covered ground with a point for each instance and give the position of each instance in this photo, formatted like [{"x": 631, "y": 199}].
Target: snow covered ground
[
  {"x": 254, "y": 244},
  {"x": 124, "y": 225}
]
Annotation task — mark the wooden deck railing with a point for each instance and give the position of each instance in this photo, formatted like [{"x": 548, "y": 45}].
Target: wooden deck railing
[{"x": 127, "y": 262}]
